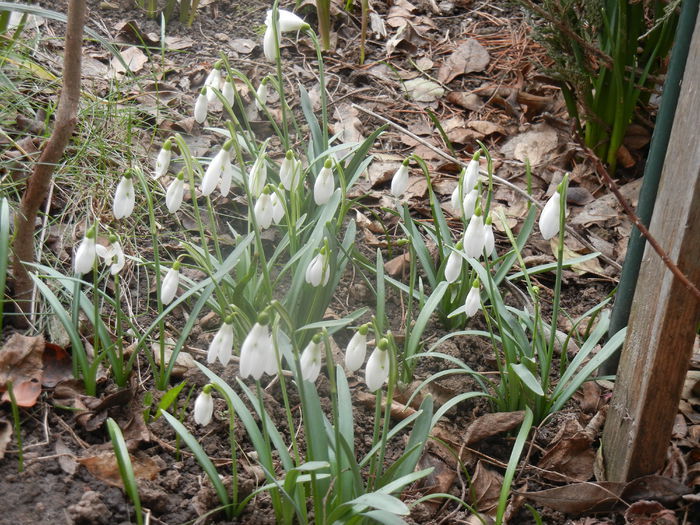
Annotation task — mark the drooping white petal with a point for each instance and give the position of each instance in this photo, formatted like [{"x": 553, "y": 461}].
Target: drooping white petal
[
  {"x": 203, "y": 409},
  {"x": 399, "y": 182},
  {"x": 168, "y": 286},
  {"x": 453, "y": 267},
  {"x": 489, "y": 240},
  {"x": 471, "y": 175},
  {"x": 229, "y": 173},
  {"x": 174, "y": 195},
  {"x": 258, "y": 176},
  {"x": 473, "y": 301},
  {"x": 287, "y": 22},
  {"x": 214, "y": 171},
  {"x": 124, "y": 198},
  {"x": 277, "y": 208},
  {"x": 228, "y": 92},
  {"x": 469, "y": 203},
  {"x": 356, "y": 352},
  {"x": 549, "y": 219},
  {"x": 310, "y": 361},
  {"x": 118, "y": 260},
  {"x": 263, "y": 211},
  {"x": 254, "y": 351},
  {"x": 85, "y": 256},
  {"x": 318, "y": 272},
  {"x": 214, "y": 80},
  {"x": 162, "y": 162},
  {"x": 474, "y": 237},
  {"x": 377, "y": 369},
  {"x": 221, "y": 347},
  {"x": 201, "y": 107},
  {"x": 287, "y": 175},
  {"x": 270, "y": 44},
  {"x": 261, "y": 98},
  {"x": 324, "y": 186}
]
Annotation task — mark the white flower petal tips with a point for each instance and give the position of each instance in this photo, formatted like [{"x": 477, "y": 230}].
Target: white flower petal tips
[
  {"x": 203, "y": 408},
  {"x": 221, "y": 347},
  {"x": 324, "y": 185},
  {"x": 319, "y": 270},
  {"x": 399, "y": 183},
  {"x": 257, "y": 353},
  {"x": 169, "y": 284},
  {"x": 85, "y": 254},
  {"x": 356, "y": 351},
  {"x": 287, "y": 22},
  {"x": 377, "y": 370},
  {"x": 263, "y": 211},
  {"x": 163, "y": 159},
  {"x": 474, "y": 236},
  {"x": 549, "y": 219},
  {"x": 473, "y": 301},
  {"x": 214, "y": 172},
  {"x": 453, "y": 267},
  {"x": 124, "y": 198},
  {"x": 310, "y": 361},
  {"x": 201, "y": 106},
  {"x": 175, "y": 193}
]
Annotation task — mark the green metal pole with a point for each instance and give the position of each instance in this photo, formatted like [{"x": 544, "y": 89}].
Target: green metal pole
[{"x": 652, "y": 174}]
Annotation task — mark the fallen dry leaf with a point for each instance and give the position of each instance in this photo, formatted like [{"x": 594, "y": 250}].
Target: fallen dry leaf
[
  {"x": 104, "y": 467},
  {"x": 533, "y": 145},
  {"x": 348, "y": 125},
  {"x": 398, "y": 265},
  {"x": 571, "y": 457},
  {"x": 406, "y": 38},
  {"x": 134, "y": 59},
  {"x": 57, "y": 365},
  {"x": 422, "y": 90},
  {"x": 66, "y": 459},
  {"x": 21, "y": 364},
  {"x": 469, "y": 57},
  {"x": 649, "y": 513},
  {"x": 578, "y": 497},
  {"x": 465, "y": 99},
  {"x": 491, "y": 425},
  {"x": 485, "y": 488}
]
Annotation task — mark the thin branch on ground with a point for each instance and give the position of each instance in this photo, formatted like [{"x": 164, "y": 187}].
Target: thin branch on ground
[
  {"x": 496, "y": 179},
  {"x": 40, "y": 180}
]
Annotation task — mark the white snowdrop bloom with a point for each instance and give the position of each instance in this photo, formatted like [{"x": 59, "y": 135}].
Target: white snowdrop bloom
[
  {"x": 455, "y": 201},
  {"x": 163, "y": 159},
  {"x": 221, "y": 347},
  {"x": 471, "y": 175},
  {"x": 214, "y": 171},
  {"x": 203, "y": 408},
  {"x": 175, "y": 193},
  {"x": 474, "y": 236},
  {"x": 287, "y": 22},
  {"x": 287, "y": 171},
  {"x": 84, "y": 257},
  {"x": 169, "y": 284},
  {"x": 261, "y": 99},
  {"x": 277, "y": 208},
  {"x": 319, "y": 270},
  {"x": 256, "y": 352},
  {"x": 270, "y": 48},
  {"x": 489, "y": 240},
  {"x": 263, "y": 211},
  {"x": 377, "y": 369},
  {"x": 310, "y": 360},
  {"x": 549, "y": 219},
  {"x": 124, "y": 198},
  {"x": 469, "y": 203},
  {"x": 258, "y": 176},
  {"x": 112, "y": 254},
  {"x": 230, "y": 173},
  {"x": 453, "y": 266},
  {"x": 201, "y": 106},
  {"x": 473, "y": 301},
  {"x": 357, "y": 350},
  {"x": 228, "y": 92},
  {"x": 324, "y": 185},
  {"x": 399, "y": 182},
  {"x": 213, "y": 80}
]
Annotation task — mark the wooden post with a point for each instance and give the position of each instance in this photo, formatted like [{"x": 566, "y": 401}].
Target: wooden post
[{"x": 664, "y": 314}]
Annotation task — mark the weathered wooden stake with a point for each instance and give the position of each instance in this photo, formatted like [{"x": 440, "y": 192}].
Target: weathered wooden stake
[{"x": 664, "y": 314}]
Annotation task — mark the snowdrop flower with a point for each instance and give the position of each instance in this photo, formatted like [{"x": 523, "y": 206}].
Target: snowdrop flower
[
  {"x": 289, "y": 172},
  {"x": 261, "y": 98},
  {"x": 201, "y": 106},
  {"x": 399, "y": 182},
  {"x": 453, "y": 267},
  {"x": 257, "y": 352},
  {"x": 85, "y": 254},
  {"x": 163, "y": 159},
  {"x": 474, "y": 236},
  {"x": 277, "y": 207},
  {"x": 471, "y": 174},
  {"x": 549, "y": 219},
  {"x": 169, "y": 284},
  {"x": 258, "y": 175},
  {"x": 175, "y": 193},
  {"x": 230, "y": 172},
  {"x": 221, "y": 347},
  {"x": 324, "y": 185},
  {"x": 270, "y": 48},
  {"x": 469, "y": 203},
  {"x": 489, "y": 240},
  {"x": 310, "y": 361},
  {"x": 473, "y": 301},
  {"x": 124, "y": 197},
  {"x": 228, "y": 92},
  {"x": 357, "y": 349},
  {"x": 287, "y": 21},
  {"x": 112, "y": 254},
  {"x": 214, "y": 80},
  {"x": 204, "y": 407},
  {"x": 377, "y": 369},
  {"x": 263, "y": 210},
  {"x": 319, "y": 270},
  {"x": 216, "y": 169}
]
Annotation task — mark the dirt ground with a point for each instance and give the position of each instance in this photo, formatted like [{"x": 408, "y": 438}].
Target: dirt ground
[{"x": 68, "y": 478}]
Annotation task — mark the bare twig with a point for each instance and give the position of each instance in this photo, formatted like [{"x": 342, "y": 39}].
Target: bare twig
[
  {"x": 603, "y": 173},
  {"x": 40, "y": 179},
  {"x": 496, "y": 179}
]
